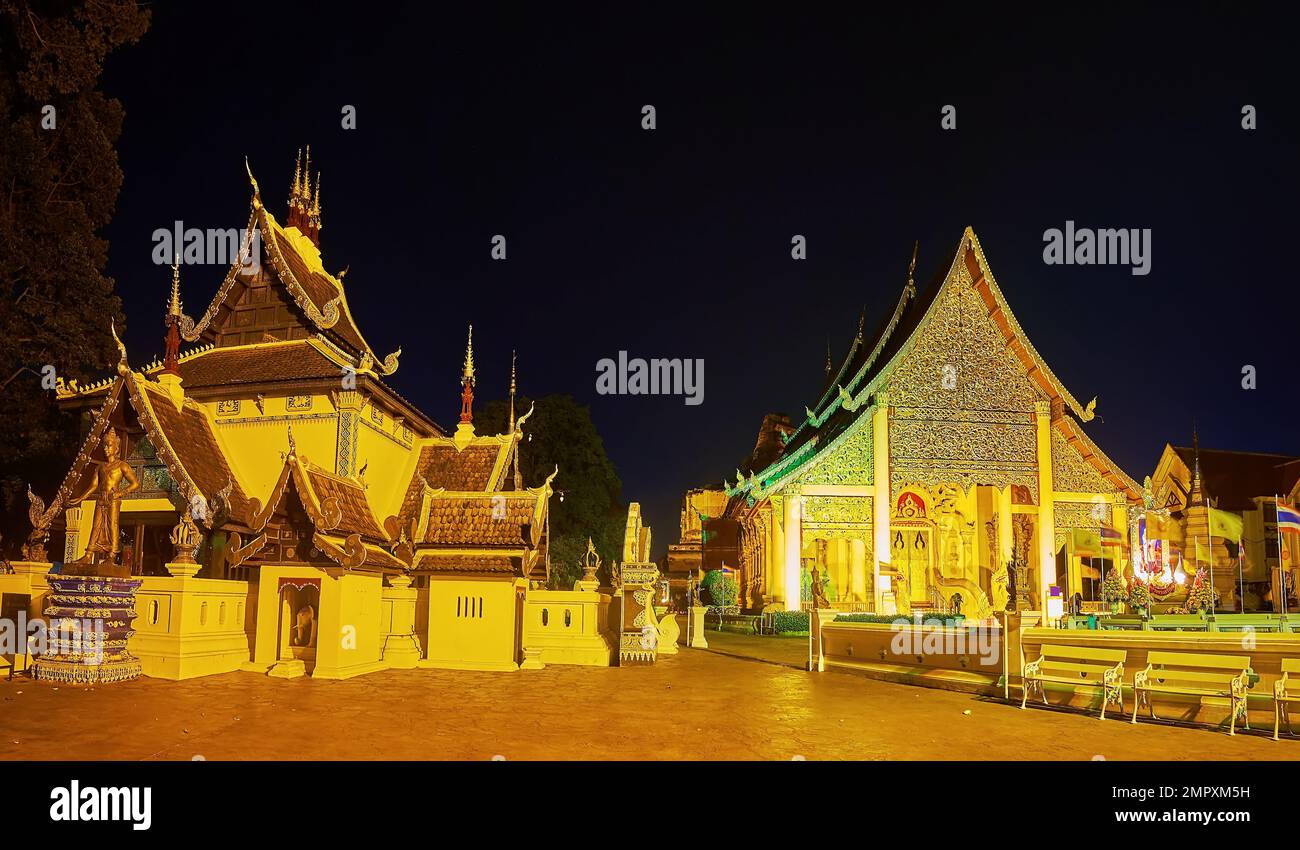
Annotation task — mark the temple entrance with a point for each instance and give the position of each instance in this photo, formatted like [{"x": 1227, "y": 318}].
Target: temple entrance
[{"x": 912, "y": 557}]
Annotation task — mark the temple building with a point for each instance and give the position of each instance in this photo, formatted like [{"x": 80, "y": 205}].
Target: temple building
[
  {"x": 941, "y": 464},
  {"x": 269, "y": 428}
]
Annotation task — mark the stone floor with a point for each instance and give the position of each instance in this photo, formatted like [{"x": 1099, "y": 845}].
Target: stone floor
[{"x": 697, "y": 705}]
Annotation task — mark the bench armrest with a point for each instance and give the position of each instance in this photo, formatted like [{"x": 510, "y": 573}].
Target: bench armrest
[
  {"x": 1239, "y": 685},
  {"x": 1280, "y": 687},
  {"x": 1033, "y": 668},
  {"x": 1114, "y": 675},
  {"x": 1140, "y": 677}
]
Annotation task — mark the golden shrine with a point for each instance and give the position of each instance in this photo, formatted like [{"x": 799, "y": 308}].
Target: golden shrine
[
  {"x": 941, "y": 466},
  {"x": 285, "y": 511}
]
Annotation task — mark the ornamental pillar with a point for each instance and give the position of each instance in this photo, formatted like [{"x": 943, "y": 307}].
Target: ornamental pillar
[
  {"x": 880, "y": 502},
  {"x": 1046, "y": 509},
  {"x": 793, "y": 548}
]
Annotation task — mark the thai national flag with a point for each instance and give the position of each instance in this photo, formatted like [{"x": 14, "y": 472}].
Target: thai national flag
[
  {"x": 1111, "y": 537},
  {"x": 1288, "y": 519}
]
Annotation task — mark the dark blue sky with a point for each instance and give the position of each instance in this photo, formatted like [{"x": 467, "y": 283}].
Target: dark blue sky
[{"x": 675, "y": 243}]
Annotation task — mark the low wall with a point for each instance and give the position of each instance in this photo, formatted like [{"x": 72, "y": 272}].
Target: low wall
[
  {"x": 964, "y": 658},
  {"x": 190, "y": 627},
  {"x": 23, "y": 590},
  {"x": 568, "y": 627},
  {"x": 1265, "y": 650}
]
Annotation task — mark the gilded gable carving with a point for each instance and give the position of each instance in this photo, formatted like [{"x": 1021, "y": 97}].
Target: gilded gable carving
[
  {"x": 1067, "y": 515},
  {"x": 959, "y": 360},
  {"x": 852, "y": 462},
  {"x": 1071, "y": 473},
  {"x": 838, "y": 517}
]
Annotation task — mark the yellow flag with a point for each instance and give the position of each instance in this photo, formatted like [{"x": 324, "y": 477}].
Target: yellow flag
[
  {"x": 1087, "y": 542},
  {"x": 1226, "y": 525}
]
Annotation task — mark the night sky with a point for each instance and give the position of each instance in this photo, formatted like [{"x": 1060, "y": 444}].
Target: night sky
[{"x": 676, "y": 242}]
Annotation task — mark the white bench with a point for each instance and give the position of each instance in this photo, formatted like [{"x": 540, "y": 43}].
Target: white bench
[
  {"x": 1285, "y": 690},
  {"x": 1194, "y": 674},
  {"x": 1077, "y": 665}
]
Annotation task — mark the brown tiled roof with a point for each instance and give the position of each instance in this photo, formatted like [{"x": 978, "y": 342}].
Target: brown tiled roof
[
  {"x": 191, "y": 438},
  {"x": 321, "y": 290},
  {"x": 479, "y": 521},
  {"x": 357, "y": 516},
  {"x": 442, "y": 466},
  {"x": 435, "y": 562},
  {"x": 294, "y": 361}
]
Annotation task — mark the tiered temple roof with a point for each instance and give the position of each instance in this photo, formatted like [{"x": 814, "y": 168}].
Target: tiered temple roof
[
  {"x": 849, "y": 390},
  {"x": 287, "y": 329}
]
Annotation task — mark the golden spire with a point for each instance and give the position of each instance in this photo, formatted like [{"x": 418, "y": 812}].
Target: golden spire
[
  {"x": 467, "y": 372},
  {"x": 297, "y": 181},
  {"x": 306, "y": 182},
  {"x": 512, "y": 392},
  {"x": 829, "y": 365},
  {"x": 315, "y": 201},
  {"x": 174, "y": 305},
  {"x": 862, "y": 320}
]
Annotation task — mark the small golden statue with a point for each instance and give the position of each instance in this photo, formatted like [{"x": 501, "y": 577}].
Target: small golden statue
[
  {"x": 104, "y": 543},
  {"x": 186, "y": 538}
]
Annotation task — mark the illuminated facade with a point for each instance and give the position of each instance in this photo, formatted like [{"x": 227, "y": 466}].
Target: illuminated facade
[{"x": 942, "y": 465}]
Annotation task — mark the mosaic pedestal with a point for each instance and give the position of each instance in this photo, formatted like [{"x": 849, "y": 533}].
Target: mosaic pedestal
[{"x": 89, "y": 623}]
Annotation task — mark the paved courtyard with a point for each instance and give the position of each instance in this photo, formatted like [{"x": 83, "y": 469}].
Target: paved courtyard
[{"x": 696, "y": 705}]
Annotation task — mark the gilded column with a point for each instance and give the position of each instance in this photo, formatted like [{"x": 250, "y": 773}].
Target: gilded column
[
  {"x": 1004, "y": 527},
  {"x": 793, "y": 548},
  {"x": 348, "y": 403},
  {"x": 880, "y": 502},
  {"x": 776, "y": 559},
  {"x": 1046, "y": 510}
]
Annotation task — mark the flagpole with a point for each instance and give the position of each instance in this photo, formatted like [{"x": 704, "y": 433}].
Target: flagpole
[{"x": 1279, "y": 608}]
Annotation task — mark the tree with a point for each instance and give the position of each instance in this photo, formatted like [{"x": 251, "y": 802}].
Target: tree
[
  {"x": 722, "y": 589},
  {"x": 588, "y": 500},
  {"x": 59, "y": 180}
]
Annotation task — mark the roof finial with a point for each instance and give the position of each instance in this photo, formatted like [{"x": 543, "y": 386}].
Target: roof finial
[
  {"x": 296, "y": 192},
  {"x": 306, "y": 182},
  {"x": 512, "y": 391},
  {"x": 829, "y": 366},
  {"x": 251, "y": 179},
  {"x": 293, "y": 447},
  {"x": 862, "y": 320},
  {"x": 911, "y": 269},
  {"x": 467, "y": 381},
  {"x": 174, "y": 305},
  {"x": 315, "y": 202}
]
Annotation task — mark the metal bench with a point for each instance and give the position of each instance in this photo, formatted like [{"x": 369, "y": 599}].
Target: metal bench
[
  {"x": 1194, "y": 674},
  {"x": 1248, "y": 622},
  {"x": 1285, "y": 691},
  {"x": 1178, "y": 622},
  {"x": 1077, "y": 665}
]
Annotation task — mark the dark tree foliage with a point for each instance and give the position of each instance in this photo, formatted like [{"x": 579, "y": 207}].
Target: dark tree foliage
[
  {"x": 58, "y": 189},
  {"x": 560, "y": 432}
]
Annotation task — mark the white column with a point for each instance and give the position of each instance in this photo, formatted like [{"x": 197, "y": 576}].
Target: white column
[
  {"x": 880, "y": 501},
  {"x": 793, "y": 548}
]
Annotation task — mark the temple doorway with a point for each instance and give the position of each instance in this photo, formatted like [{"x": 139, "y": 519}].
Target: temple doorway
[{"x": 913, "y": 557}]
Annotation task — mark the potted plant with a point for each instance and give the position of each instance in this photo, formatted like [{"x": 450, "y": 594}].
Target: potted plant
[{"x": 1139, "y": 596}]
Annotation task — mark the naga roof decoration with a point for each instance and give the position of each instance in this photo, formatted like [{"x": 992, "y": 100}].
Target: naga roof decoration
[{"x": 842, "y": 406}]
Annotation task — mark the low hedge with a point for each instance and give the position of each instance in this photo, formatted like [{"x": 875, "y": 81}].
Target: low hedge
[
  {"x": 951, "y": 620},
  {"x": 784, "y": 622}
]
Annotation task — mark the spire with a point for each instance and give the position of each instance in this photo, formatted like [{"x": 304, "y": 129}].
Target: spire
[
  {"x": 1198, "y": 492},
  {"x": 296, "y": 192},
  {"x": 829, "y": 366},
  {"x": 172, "y": 348},
  {"x": 313, "y": 226},
  {"x": 862, "y": 320},
  {"x": 306, "y": 182},
  {"x": 467, "y": 381},
  {"x": 512, "y": 392}
]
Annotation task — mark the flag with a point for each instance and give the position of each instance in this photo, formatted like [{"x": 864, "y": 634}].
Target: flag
[
  {"x": 1226, "y": 525},
  {"x": 1288, "y": 519},
  {"x": 1086, "y": 542},
  {"x": 1111, "y": 537}
]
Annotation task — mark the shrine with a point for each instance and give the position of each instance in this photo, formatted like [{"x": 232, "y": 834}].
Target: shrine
[{"x": 262, "y": 499}]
